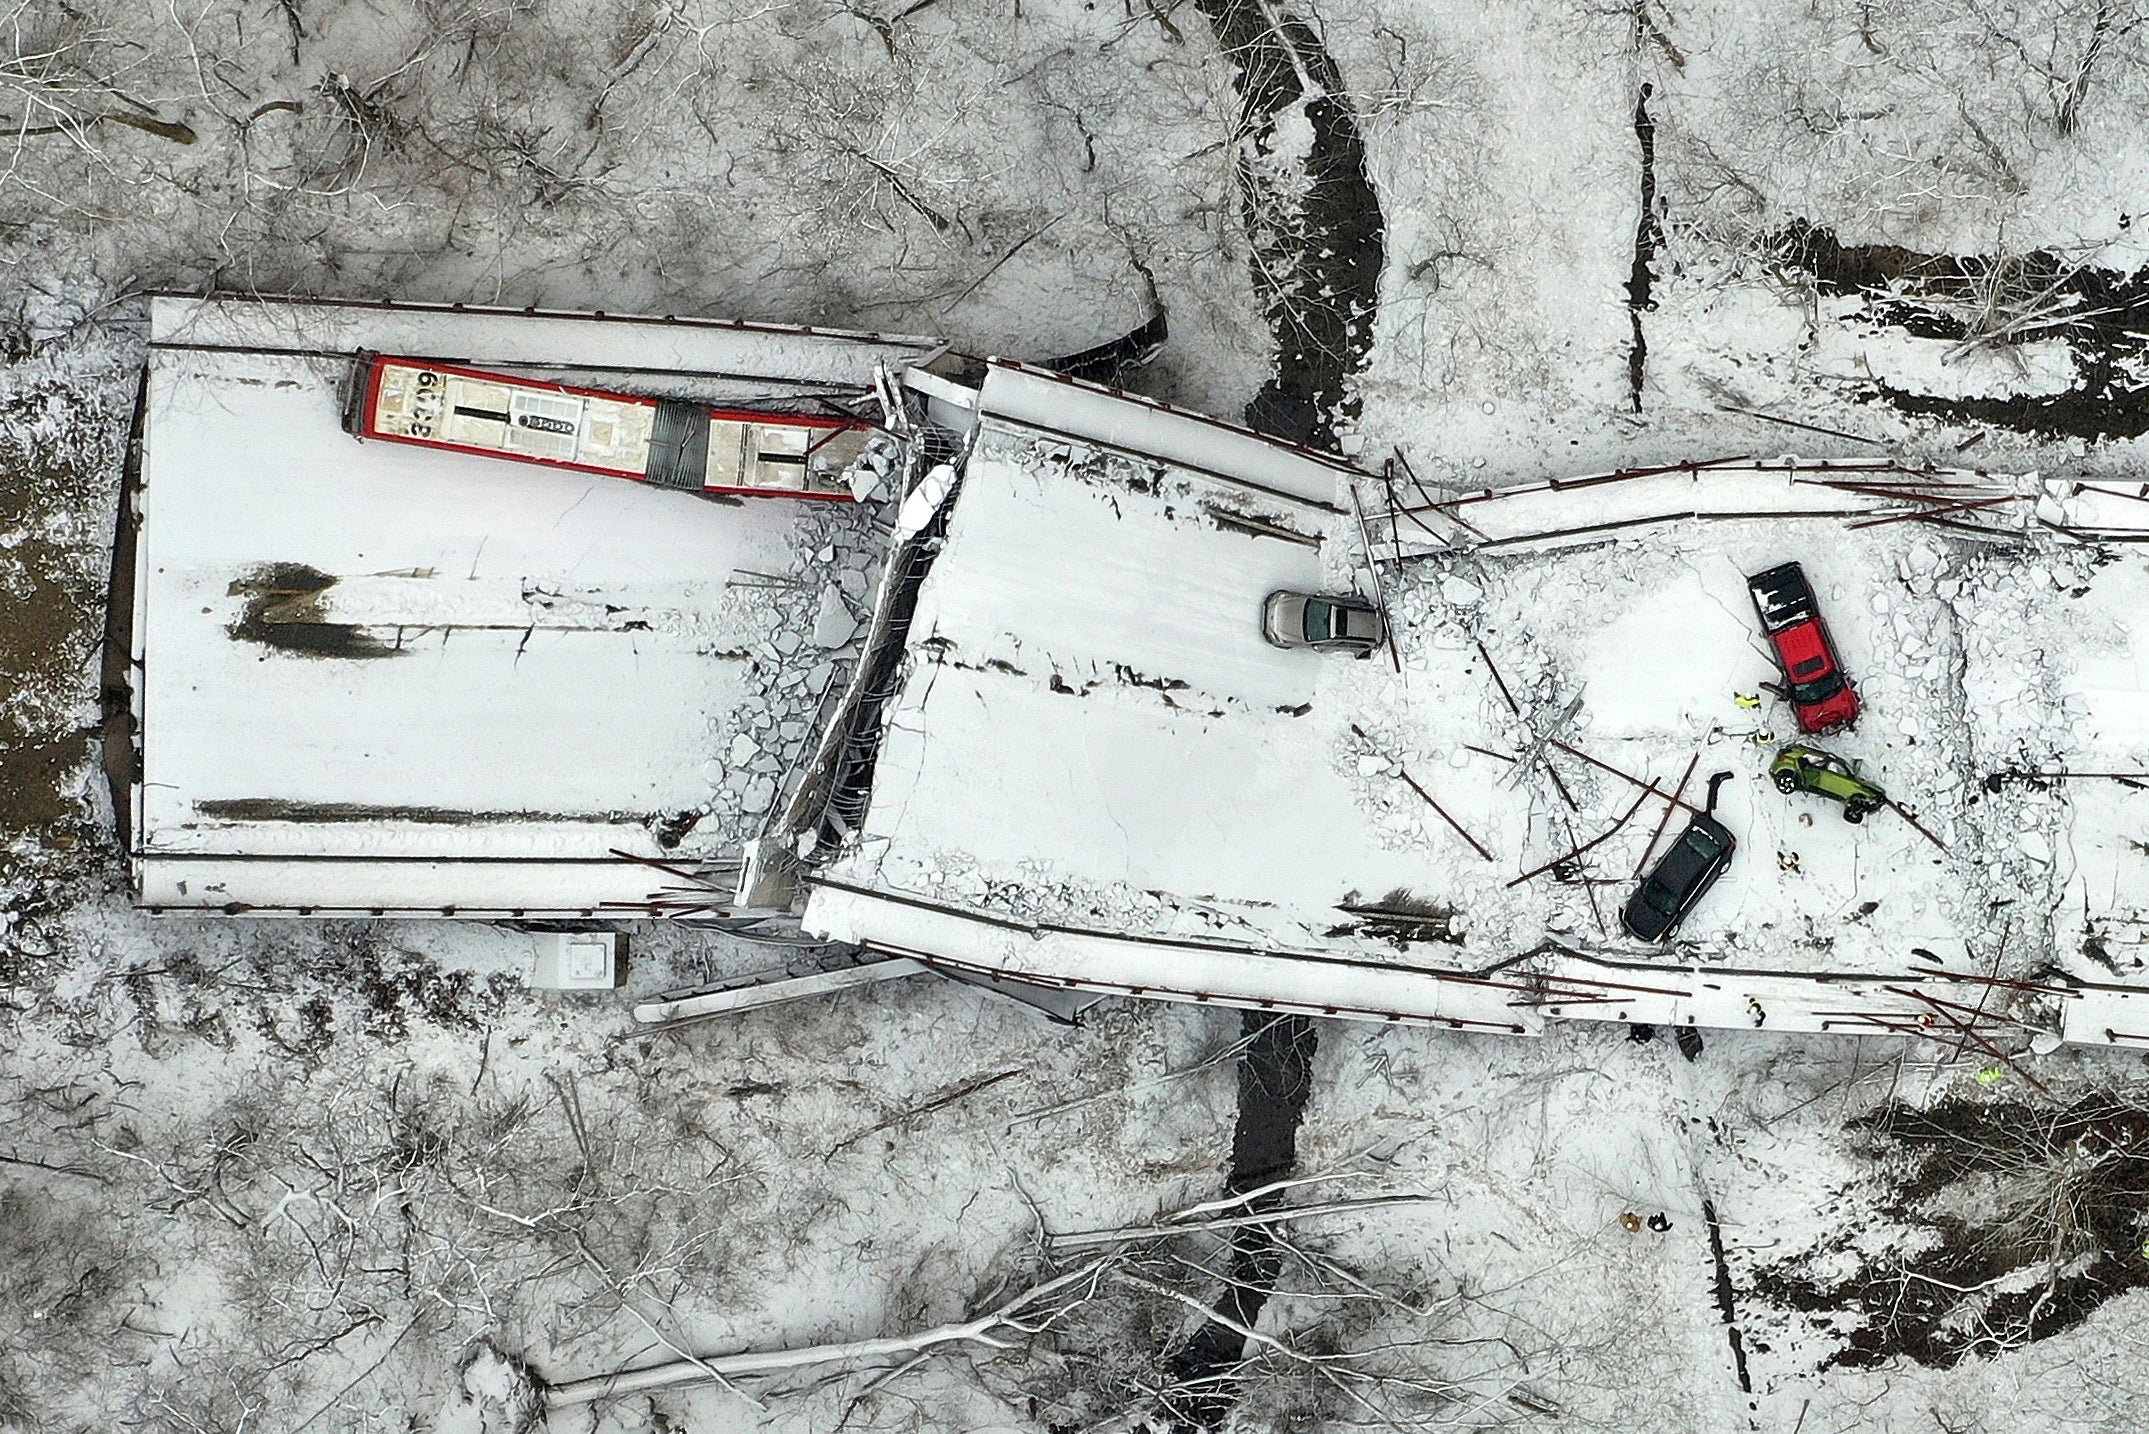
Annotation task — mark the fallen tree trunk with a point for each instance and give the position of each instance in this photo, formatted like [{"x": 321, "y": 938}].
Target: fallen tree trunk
[{"x": 984, "y": 1331}]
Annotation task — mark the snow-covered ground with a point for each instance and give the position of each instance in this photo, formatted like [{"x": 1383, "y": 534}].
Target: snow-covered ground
[{"x": 305, "y": 1165}]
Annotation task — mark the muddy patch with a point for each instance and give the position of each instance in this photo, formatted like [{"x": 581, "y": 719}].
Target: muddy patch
[
  {"x": 41, "y": 626},
  {"x": 61, "y": 437},
  {"x": 2102, "y": 316},
  {"x": 48, "y": 616},
  {"x": 1311, "y": 213},
  {"x": 2018, "y": 1221},
  {"x": 284, "y": 611}
]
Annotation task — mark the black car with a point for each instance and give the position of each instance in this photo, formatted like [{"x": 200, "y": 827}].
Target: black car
[{"x": 1688, "y": 870}]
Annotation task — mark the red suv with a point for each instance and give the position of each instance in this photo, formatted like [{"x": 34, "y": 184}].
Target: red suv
[{"x": 1819, "y": 692}]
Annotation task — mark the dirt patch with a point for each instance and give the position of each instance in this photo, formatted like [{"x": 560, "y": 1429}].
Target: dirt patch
[
  {"x": 2101, "y": 315},
  {"x": 284, "y": 610},
  {"x": 61, "y": 437},
  {"x": 2026, "y": 1219},
  {"x": 38, "y": 773},
  {"x": 47, "y": 608}
]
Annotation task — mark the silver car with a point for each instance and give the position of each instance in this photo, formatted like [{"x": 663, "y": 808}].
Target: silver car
[{"x": 1327, "y": 624}]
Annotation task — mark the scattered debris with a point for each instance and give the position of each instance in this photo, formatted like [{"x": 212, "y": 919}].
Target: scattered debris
[{"x": 1404, "y": 775}]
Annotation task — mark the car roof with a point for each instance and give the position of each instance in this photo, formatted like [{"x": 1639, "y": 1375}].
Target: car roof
[
  {"x": 1801, "y": 643},
  {"x": 1783, "y": 580},
  {"x": 1360, "y": 620},
  {"x": 1701, "y": 843},
  {"x": 1702, "y": 821}
]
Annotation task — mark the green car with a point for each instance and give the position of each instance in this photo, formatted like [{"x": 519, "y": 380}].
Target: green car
[{"x": 1799, "y": 768}]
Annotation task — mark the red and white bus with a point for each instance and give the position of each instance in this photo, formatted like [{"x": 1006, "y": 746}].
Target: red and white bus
[{"x": 662, "y": 441}]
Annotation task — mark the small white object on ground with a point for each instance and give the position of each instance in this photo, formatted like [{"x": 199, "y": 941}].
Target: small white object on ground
[{"x": 577, "y": 961}]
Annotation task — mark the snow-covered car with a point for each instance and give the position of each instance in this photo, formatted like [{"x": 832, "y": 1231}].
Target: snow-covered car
[
  {"x": 1819, "y": 693},
  {"x": 1799, "y": 768},
  {"x": 1679, "y": 880},
  {"x": 1325, "y": 623}
]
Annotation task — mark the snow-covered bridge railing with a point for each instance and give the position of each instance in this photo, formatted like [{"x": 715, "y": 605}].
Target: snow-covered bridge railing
[
  {"x": 1979, "y": 1014},
  {"x": 1407, "y": 517}
]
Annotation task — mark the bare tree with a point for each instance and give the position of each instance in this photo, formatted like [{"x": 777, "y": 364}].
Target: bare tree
[{"x": 1086, "y": 1324}]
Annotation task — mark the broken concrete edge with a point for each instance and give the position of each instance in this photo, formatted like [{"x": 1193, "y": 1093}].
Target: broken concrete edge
[
  {"x": 772, "y": 862},
  {"x": 951, "y": 395}
]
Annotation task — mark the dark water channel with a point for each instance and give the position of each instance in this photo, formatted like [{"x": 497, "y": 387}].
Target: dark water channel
[
  {"x": 1275, "y": 1078},
  {"x": 1648, "y": 235},
  {"x": 1318, "y": 245}
]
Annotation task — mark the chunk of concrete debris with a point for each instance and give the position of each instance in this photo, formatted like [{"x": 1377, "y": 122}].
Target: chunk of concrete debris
[{"x": 833, "y": 625}]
